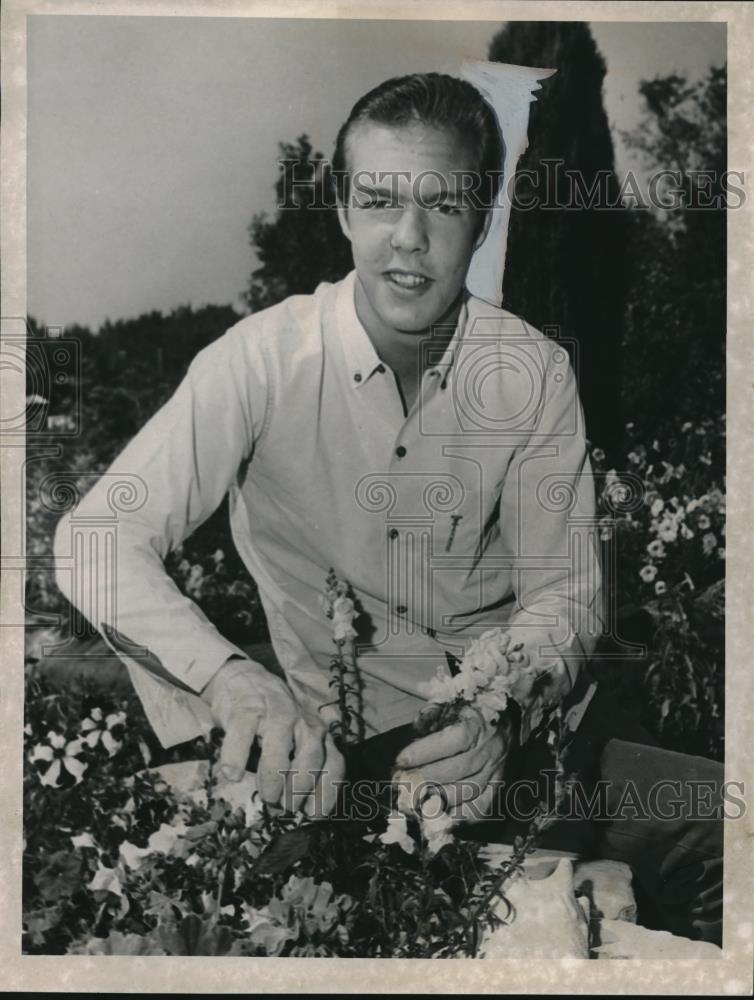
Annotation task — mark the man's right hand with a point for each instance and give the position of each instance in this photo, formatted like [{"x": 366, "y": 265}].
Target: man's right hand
[{"x": 249, "y": 702}]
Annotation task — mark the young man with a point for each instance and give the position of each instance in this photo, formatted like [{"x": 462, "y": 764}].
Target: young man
[
  {"x": 394, "y": 379},
  {"x": 425, "y": 444}
]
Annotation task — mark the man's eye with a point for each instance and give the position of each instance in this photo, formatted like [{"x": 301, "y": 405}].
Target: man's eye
[
  {"x": 446, "y": 207},
  {"x": 378, "y": 203}
]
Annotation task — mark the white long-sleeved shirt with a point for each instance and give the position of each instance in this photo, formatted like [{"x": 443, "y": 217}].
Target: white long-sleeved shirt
[{"x": 475, "y": 510}]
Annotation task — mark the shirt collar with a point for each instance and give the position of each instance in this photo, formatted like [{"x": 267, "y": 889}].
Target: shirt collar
[{"x": 362, "y": 361}]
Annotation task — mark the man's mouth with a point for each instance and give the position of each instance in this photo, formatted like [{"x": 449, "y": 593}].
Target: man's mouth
[{"x": 407, "y": 279}]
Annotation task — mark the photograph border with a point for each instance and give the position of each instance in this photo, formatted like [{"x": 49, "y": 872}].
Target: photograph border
[{"x": 732, "y": 974}]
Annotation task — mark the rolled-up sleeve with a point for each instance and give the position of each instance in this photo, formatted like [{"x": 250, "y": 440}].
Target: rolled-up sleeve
[
  {"x": 175, "y": 473},
  {"x": 548, "y": 530}
]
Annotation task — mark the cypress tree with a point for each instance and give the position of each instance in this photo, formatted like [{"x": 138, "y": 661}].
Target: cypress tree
[{"x": 565, "y": 268}]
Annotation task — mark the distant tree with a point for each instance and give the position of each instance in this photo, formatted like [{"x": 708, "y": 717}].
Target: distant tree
[
  {"x": 127, "y": 370},
  {"x": 674, "y": 340},
  {"x": 565, "y": 265},
  {"x": 303, "y": 245}
]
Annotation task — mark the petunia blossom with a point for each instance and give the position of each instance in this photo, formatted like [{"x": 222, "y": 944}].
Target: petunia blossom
[
  {"x": 709, "y": 543},
  {"x": 648, "y": 573},
  {"x": 656, "y": 549},
  {"x": 104, "y": 729},
  {"x": 61, "y": 756}
]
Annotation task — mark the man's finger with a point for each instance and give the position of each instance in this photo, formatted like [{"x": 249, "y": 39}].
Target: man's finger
[
  {"x": 474, "y": 810},
  {"x": 465, "y": 765},
  {"x": 474, "y": 787},
  {"x": 444, "y": 743},
  {"x": 275, "y": 762},
  {"x": 240, "y": 733},
  {"x": 305, "y": 766}
]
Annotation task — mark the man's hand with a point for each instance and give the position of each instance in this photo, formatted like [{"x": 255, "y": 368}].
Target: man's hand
[
  {"x": 249, "y": 702},
  {"x": 463, "y": 758}
]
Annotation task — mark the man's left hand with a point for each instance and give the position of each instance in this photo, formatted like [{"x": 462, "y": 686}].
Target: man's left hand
[{"x": 465, "y": 758}]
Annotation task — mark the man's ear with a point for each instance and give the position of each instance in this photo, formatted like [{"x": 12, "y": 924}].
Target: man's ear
[
  {"x": 343, "y": 219},
  {"x": 482, "y": 234}
]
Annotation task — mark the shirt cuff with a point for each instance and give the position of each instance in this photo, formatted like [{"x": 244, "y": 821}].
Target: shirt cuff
[{"x": 174, "y": 714}]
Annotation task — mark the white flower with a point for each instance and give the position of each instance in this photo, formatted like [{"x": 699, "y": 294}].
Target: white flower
[
  {"x": 441, "y": 688},
  {"x": 721, "y": 553},
  {"x": 343, "y": 630},
  {"x": 101, "y": 729},
  {"x": 686, "y": 532},
  {"x": 436, "y": 824},
  {"x": 661, "y": 588},
  {"x": 60, "y": 756},
  {"x": 338, "y": 606},
  {"x": 493, "y": 699},
  {"x": 598, "y": 455},
  {"x": 218, "y": 556},
  {"x": 709, "y": 543},
  {"x": 648, "y": 573},
  {"x": 704, "y": 522},
  {"x": 164, "y": 840},
  {"x": 83, "y": 840},
  {"x": 657, "y": 507},
  {"x": 633, "y": 457},
  {"x": 397, "y": 833},
  {"x": 656, "y": 549},
  {"x": 132, "y": 855},
  {"x": 343, "y": 607},
  {"x": 692, "y": 505},
  {"x": 686, "y": 427},
  {"x": 105, "y": 880},
  {"x": 667, "y": 530}
]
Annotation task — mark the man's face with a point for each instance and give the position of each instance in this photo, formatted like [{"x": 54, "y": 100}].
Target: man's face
[{"x": 412, "y": 232}]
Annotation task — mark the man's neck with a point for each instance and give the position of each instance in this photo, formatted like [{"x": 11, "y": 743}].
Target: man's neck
[{"x": 408, "y": 354}]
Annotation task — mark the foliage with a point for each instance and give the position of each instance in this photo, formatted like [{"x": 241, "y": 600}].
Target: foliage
[
  {"x": 664, "y": 519},
  {"x": 126, "y": 371},
  {"x": 676, "y": 313},
  {"x": 122, "y": 863},
  {"x": 304, "y": 244},
  {"x": 565, "y": 264}
]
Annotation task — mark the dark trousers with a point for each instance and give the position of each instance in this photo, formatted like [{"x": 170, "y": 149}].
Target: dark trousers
[{"x": 630, "y": 800}]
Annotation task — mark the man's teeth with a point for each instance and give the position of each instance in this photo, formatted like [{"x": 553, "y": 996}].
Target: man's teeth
[{"x": 407, "y": 280}]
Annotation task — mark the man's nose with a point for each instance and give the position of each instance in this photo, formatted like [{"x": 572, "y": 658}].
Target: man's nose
[{"x": 410, "y": 232}]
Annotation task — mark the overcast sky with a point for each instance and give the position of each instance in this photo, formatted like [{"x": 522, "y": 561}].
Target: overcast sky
[{"x": 153, "y": 141}]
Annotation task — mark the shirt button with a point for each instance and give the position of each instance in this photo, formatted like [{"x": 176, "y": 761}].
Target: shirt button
[
  {"x": 401, "y": 609},
  {"x": 394, "y": 532},
  {"x": 381, "y": 369},
  {"x": 357, "y": 377},
  {"x": 400, "y": 451}
]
